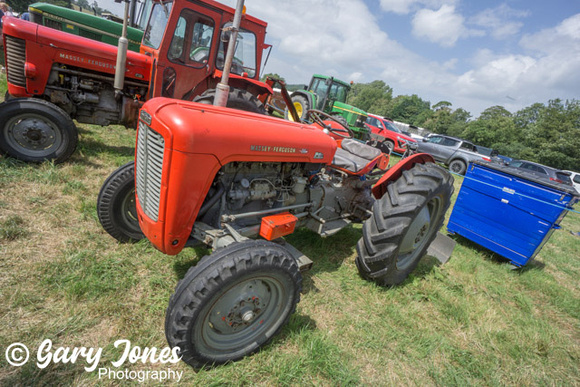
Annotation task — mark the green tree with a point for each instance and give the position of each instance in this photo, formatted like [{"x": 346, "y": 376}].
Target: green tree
[
  {"x": 446, "y": 105},
  {"x": 555, "y": 135},
  {"x": 410, "y": 109},
  {"x": 372, "y": 97},
  {"x": 494, "y": 128},
  {"x": 272, "y": 75}
]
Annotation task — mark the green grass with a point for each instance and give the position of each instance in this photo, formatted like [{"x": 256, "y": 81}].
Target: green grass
[{"x": 472, "y": 321}]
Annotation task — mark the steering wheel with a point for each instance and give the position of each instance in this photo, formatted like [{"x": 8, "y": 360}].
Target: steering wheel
[{"x": 319, "y": 117}]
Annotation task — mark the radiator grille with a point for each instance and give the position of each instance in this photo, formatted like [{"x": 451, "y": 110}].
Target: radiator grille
[
  {"x": 15, "y": 59},
  {"x": 150, "y": 147}
]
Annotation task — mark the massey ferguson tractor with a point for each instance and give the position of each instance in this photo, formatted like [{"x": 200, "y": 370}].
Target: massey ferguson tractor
[
  {"x": 55, "y": 77},
  {"x": 238, "y": 182}
]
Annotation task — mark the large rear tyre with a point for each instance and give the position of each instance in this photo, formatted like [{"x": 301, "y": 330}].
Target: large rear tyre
[
  {"x": 404, "y": 223},
  {"x": 237, "y": 99},
  {"x": 232, "y": 303},
  {"x": 116, "y": 205},
  {"x": 34, "y": 130},
  {"x": 301, "y": 105}
]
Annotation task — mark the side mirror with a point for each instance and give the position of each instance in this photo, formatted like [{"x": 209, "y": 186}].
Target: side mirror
[{"x": 424, "y": 139}]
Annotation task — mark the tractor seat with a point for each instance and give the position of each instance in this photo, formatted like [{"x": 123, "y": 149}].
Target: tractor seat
[{"x": 354, "y": 157}]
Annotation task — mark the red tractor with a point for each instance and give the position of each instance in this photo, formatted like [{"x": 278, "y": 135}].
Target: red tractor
[
  {"x": 239, "y": 182},
  {"x": 55, "y": 77}
]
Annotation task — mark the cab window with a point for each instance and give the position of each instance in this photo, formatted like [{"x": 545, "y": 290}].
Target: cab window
[
  {"x": 157, "y": 23},
  {"x": 338, "y": 92},
  {"x": 192, "y": 38},
  {"x": 468, "y": 146},
  {"x": 245, "y": 54}
]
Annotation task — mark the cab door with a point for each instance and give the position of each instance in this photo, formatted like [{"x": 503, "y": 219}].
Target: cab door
[{"x": 186, "y": 51}]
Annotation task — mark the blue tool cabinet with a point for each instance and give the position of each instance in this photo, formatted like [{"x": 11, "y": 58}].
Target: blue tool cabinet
[{"x": 509, "y": 211}]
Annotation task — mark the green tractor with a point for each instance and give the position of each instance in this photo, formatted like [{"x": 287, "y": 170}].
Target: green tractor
[{"x": 329, "y": 95}]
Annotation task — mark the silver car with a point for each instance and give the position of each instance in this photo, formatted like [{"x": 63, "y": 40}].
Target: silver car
[{"x": 542, "y": 172}]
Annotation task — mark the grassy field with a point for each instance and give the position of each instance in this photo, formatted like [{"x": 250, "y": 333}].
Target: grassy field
[{"x": 472, "y": 321}]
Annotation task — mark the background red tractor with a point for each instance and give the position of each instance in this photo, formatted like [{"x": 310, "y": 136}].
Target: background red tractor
[
  {"x": 239, "y": 182},
  {"x": 55, "y": 77}
]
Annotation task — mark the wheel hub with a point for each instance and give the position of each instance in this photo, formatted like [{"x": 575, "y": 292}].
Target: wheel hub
[
  {"x": 33, "y": 133},
  {"x": 243, "y": 313},
  {"x": 414, "y": 238}
]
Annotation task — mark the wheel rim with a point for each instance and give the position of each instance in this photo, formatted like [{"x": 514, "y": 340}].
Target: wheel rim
[
  {"x": 129, "y": 212},
  {"x": 33, "y": 135},
  {"x": 456, "y": 167},
  {"x": 236, "y": 317},
  {"x": 419, "y": 233},
  {"x": 299, "y": 110}
]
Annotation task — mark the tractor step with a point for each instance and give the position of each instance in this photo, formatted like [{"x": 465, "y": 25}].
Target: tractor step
[
  {"x": 441, "y": 248},
  {"x": 304, "y": 263}
]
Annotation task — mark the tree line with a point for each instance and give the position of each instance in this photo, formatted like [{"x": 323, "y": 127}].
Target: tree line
[{"x": 547, "y": 133}]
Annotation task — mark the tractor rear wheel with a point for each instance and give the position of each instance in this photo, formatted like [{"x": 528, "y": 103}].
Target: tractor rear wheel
[
  {"x": 232, "y": 303},
  {"x": 404, "y": 223},
  {"x": 301, "y": 105},
  {"x": 237, "y": 99},
  {"x": 116, "y": 205},
  {"x": 34, "y": 130}
]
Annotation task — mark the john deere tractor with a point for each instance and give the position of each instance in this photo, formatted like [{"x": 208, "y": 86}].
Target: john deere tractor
[{"x": 328, "y": 94}]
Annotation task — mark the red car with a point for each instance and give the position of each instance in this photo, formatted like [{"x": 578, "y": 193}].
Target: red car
[{"x": 394, "y": 139}]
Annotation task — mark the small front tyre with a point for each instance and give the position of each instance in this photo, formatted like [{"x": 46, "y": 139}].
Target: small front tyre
[
  {"x": 116, "y": 205},
  {"x": 232, "y": 303},
  {"x": 34, "y": 130}
]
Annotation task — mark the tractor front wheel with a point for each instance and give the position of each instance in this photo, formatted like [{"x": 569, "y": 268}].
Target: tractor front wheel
[
  {"x": 237, "y": 99},
  {"x": 116, "y": 205},
  {"x": 404, "y": 223},
  {"x": 232, "y": 303},
  {"x": 34, "y": 130}
]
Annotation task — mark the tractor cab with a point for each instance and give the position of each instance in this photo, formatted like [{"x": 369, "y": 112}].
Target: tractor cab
[
  {"x": 328, "y": 95},
  {"x": 329, "y": 90},
  {"x": 188, "y": 41}
]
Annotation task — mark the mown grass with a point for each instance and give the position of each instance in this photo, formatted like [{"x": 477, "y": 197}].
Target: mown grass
[{"x": 472, "y": 321}]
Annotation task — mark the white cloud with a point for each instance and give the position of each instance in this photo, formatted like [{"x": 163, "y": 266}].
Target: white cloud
[
  {"x": 501, "y": 21},
  {"x": 550, "y": 70},
  {"x": 342, "y": 38},
  {"x": 407, "y": 6},
  {"x": 443, "y": 26}
]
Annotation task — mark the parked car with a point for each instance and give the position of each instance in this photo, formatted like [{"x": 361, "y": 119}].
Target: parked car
[
  {"x": 454, "y": 152},
  {"x": 542, "y": 172},
  {"x": 575, "y": 176},
  {"x": 385, "y": 131},
  {"x": 493, "y": 154}
]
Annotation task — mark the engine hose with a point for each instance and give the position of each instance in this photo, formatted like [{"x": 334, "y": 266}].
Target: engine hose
[{"x": 213, "y": 200}]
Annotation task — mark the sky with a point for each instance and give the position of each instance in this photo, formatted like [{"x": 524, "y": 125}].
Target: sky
[{"x": 472, "y": 53}]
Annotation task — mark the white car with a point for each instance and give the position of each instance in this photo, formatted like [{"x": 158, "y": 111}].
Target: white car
[{"x": 575, "y": 176}]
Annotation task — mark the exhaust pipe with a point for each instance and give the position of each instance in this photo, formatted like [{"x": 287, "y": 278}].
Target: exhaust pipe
[
  {"x": 222, "y": 89},
  {"x": 122, "y": 56}
]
